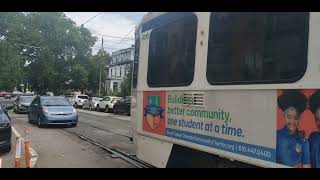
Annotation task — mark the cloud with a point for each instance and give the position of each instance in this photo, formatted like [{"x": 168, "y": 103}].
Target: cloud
[{"x": 117, "y": 24}]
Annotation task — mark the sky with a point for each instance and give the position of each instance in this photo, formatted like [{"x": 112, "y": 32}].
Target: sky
[{"x": 119, "y": 25}]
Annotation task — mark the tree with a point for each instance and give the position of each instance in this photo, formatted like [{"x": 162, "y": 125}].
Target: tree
[
  {"x": 97, "y": 62},
  {"x": 79, "y": 76},
  {"x": 63, "y": 46},
  {"x": 125, "y": 87},
  {"x": 10, "y": 69},
  {"x": 65, "y": 53},
  {"x": 11, "y": 64}
]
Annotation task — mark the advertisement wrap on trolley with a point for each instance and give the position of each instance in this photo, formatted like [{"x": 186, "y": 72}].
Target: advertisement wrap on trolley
[{"x": 286, "y": 134}]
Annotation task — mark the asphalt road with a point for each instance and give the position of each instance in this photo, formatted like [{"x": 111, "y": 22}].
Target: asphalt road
[{"x": 57, "y": 148}]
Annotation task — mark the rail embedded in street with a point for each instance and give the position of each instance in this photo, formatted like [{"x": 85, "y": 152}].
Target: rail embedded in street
[{"x": 129, "y": 158}]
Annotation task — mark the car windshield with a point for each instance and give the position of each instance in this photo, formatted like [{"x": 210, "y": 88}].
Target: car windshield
[
  {"x": 107, "y": 99},
  {"x": 26, "y": 99},
  {"x": 83, "y": 97},
  {"x": 55, "y": 101}
]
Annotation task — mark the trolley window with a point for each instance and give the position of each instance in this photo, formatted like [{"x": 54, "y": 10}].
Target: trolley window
[
  {"x": 172, "y": 52},
  {"x": 253, "y": 48}
]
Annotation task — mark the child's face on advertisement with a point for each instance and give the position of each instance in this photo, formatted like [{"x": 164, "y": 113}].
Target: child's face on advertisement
[{"x": 292, "y": 119}]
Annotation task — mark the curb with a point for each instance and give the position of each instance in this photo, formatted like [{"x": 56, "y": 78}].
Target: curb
[{"x": 33, "y": 153}]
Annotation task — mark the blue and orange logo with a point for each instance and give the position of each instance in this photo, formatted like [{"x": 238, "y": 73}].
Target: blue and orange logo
[{"x": 153, "y": 112}]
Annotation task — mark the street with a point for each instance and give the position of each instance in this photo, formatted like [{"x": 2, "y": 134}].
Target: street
[{"x": 59, "y": 147}]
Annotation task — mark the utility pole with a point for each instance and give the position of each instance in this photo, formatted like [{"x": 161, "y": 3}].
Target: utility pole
[{"x": 100, "y": 72}]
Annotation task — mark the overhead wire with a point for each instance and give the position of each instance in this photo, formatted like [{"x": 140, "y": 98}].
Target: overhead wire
[{"x": 91, "y": 18}]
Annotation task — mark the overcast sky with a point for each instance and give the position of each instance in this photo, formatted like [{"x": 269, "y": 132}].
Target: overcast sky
[{"x": 116, "y": 24}]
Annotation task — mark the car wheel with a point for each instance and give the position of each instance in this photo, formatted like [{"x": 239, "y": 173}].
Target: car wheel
[
  {"x": 75, "y": 105},
  {"x": 107, "y": 109},
  {"x": 98, "y": 108},
  {"x": 39, "y": 122}
]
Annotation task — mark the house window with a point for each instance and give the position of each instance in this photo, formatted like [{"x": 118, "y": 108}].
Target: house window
[{"x": 115, "y": 86}]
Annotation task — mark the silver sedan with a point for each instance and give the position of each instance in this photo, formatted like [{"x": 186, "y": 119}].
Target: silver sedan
[{"x": 91, "y": 103}]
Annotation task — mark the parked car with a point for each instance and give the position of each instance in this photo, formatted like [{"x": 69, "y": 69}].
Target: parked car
[
  {"x": 5, "y": 129},
  {"x": 123, "y": 106},
  {"x": 8, "y": 96},
  {"x": 106, "y": 104},
  {"x": 52, "y": 110},
  {"x": 22, "y": 103},
  {"x": 91, "y": 103},
  {"x": 78, "y": 100},
  {"x": 68, "y": 97},
  {"x": 4, "y": 93}
]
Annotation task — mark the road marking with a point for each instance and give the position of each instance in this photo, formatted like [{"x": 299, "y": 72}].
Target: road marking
[{"x": 16, "y": 133}]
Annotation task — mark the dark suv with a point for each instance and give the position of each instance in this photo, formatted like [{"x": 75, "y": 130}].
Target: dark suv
[
  {"x": 122, "y": 106},
  {"x": 5, "y": 129}
]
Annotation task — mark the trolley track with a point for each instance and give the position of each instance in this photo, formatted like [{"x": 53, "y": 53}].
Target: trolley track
[
  {"x": 123, "y": 155},
  {"x": 107, "y": 130}
]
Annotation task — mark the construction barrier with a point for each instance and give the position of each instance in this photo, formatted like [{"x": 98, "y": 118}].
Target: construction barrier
[
  {"x": 30, "y": 155},
  {"x": 17, "y": 161},
  {"x": 27, "y": 148}
]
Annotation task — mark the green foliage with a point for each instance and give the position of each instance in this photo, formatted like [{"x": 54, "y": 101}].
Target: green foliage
[
  {"x": 62, "y": 63},
  {"x": 79, "y": 76},
  {"x": 96, "y": 65},
  {"x": 116, "y": 93},
  {"x": 64, "y": 46},
  {"x": 125, "y": 86},
  {"x": 10, "y": 69}
]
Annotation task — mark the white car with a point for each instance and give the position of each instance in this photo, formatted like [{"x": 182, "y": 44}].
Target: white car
[
  {"x": 91, "y": 103},
  {"x": 106, "y": 104},
  {"x": 78, "y": 100}
]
